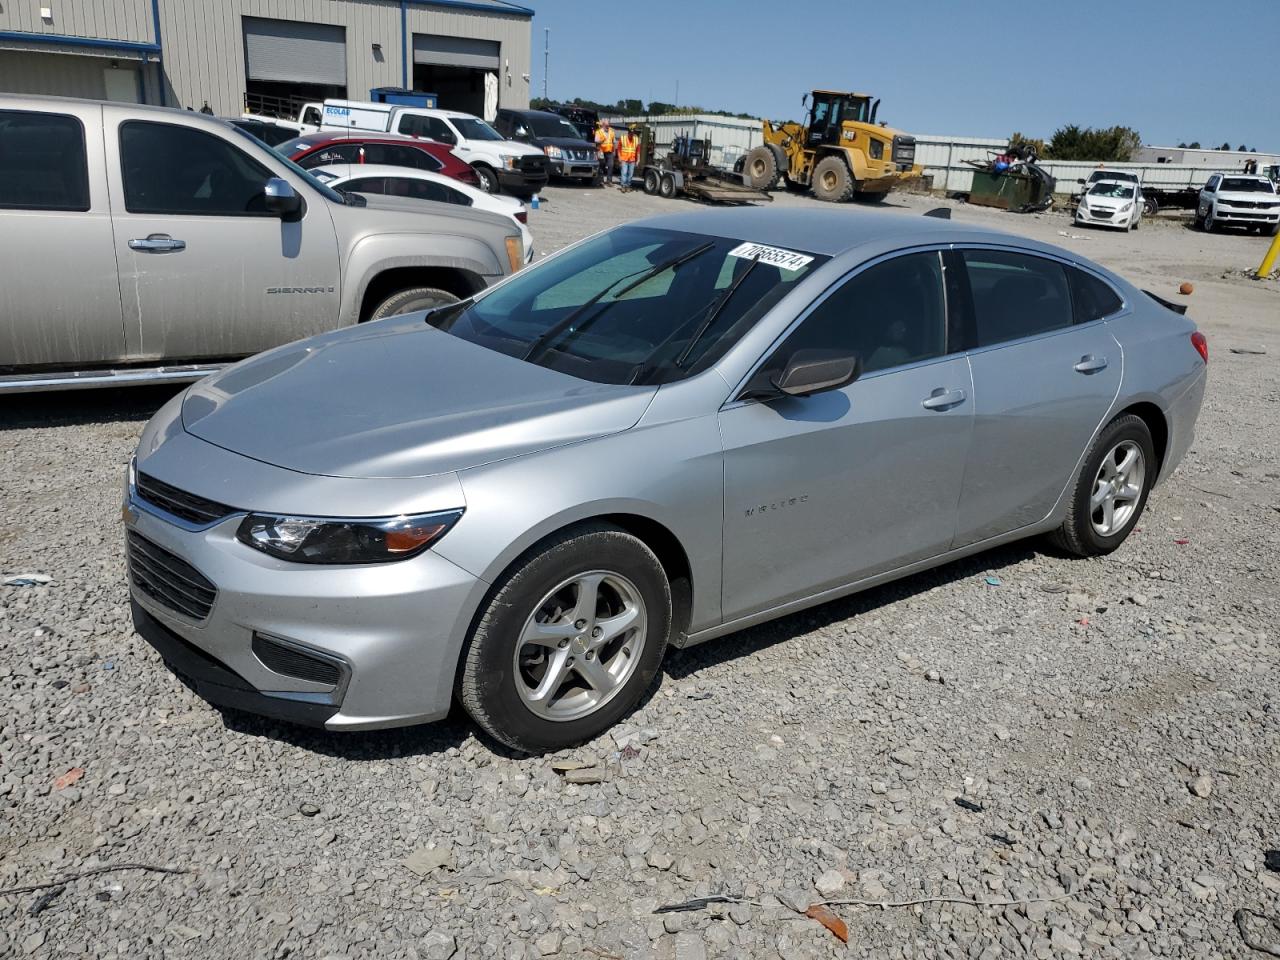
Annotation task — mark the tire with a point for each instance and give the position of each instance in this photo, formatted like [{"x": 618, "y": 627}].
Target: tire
[
  {"x": 1150, "y": 206},
  {"x": 1085, "y": 532},
  {"x": 503, "y": 673},
  {"x": 488, "y": 179},
  {"x": 411, "y": 299},
  {"x": 667, "y": 186},
  {"x": 760, "y": 169},
  {"x": 1206, "y": 222},
  {"x": 650, "y": 181},
  {"x": 832, "y": 180}
]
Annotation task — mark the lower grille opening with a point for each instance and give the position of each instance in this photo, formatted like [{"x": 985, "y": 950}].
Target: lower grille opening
[
  {"x": 167, "y": 579},
  {"x": 292, "y": 662}
]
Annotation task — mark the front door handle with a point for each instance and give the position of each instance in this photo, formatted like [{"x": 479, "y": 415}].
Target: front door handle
[
  {"x": 158, "y": 243},
  {"x": 1091, "y": 364},
  {"x": 942, "y": 399}
]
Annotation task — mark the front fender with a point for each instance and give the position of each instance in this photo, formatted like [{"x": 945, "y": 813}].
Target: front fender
[{"x": 371, "y": 256}]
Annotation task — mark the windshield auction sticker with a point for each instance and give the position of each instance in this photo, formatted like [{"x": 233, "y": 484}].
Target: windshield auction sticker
[{"x": 785, "y": 259}]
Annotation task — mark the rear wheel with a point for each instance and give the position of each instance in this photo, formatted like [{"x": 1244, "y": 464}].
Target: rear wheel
[
  {"x": 667, "y": 186},
  {"x": 760, "y": 170},
  {"x": 412, "y": 299},
  {"x": 650, "y": 181},
  {"x": 569, "y": 642},
  {"x": 832, "y": 180},
  {"x": 1110, "y": 490},
  {"x": 1150, "y": 206}
]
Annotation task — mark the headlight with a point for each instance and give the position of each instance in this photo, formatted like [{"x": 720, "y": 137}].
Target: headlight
[
  {"x": 1127, "y": 207},
  {"x": 316, "y": 540},
  {"x": 877, "y": 149},
  {"x": 554, "y": 152},
  {"x": 510, "y": 162}
]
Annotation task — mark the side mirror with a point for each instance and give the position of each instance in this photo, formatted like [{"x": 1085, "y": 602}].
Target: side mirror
[
  {"x": 522, "y": 132},
  {"x": 815, "y": 371},
  {"x": 281, "y": 199},
  {"x": 1080, "y": 180}
]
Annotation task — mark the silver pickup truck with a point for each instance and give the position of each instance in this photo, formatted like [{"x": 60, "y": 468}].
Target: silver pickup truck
[{"x": 143, "y": 244}]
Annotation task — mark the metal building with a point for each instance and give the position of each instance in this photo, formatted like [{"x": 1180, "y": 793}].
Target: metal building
[{"x": 187, "y": 53}]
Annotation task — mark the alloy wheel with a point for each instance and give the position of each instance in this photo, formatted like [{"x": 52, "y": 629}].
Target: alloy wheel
[
  {"x": 580, "y": 645},
  {"x": 1117, "y": 489}
]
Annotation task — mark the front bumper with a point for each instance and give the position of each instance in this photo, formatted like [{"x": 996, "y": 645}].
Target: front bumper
[
  {"x": 521, "y": 180},
  {"x": 1252, "y": 217},
  {"x": 1119, "y": 221},
  {"x": 573, "y": 169},
  {"x": 395, "y": 629}
]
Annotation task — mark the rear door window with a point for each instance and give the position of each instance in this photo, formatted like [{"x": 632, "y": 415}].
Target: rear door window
[
  {"x": 1016, "y": 295},
  {"x": 1091, "y": 297},
  {"x": 334, "y": 153},
  {"x": 42, "y": 162},
  {"x": 172, "y": 169}
]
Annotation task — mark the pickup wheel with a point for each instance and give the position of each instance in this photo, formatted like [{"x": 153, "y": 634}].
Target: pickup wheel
[
  {"x": 412, "y": 299},
  {"x": 488, "y": 179}
]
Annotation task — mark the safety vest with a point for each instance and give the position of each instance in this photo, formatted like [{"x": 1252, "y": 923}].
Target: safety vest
[
  {"x": 604, "y": 139},
  {"x": 628, "y": 148}
]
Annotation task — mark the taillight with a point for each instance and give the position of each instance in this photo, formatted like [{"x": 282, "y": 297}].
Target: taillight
[
  {"x": 523, "y": 216},
  {"x": 1201, "y": 344}
]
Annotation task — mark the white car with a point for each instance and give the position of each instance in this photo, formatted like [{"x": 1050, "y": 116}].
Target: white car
[
  {"x": 1239, "y": 200},
  {"x": 1111, "y": 203},
  {"x": 423, "y": 185}
]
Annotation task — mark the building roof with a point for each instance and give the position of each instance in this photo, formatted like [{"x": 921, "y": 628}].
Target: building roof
[{"x": 482, "y": 6}]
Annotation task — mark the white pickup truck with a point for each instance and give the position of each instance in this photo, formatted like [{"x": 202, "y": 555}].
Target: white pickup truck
[
  {"x": 1239, "y": 200},
  {"x": 500, "y": 164}
]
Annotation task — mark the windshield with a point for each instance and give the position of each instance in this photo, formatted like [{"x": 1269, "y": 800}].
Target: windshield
[
  {"x": 282, "y": 157},
  {"x": 1121, "y": 191},
  {"x": 553, "y": 127},
  {"x": 635, "y": 305},
  {"x": 473, "y": 129},
  {"x": 1113, "y": 175},
  {"x": 1244, "y": 185}
]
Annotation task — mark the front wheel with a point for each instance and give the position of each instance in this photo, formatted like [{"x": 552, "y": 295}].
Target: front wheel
[
  {"x": 1111, "y": 489},
  {"x": 832, "y": 180},
  {"x": 488, "y": 179},
  {"x": 412, "y": 299},
  {"x": 569, "y": 642}
]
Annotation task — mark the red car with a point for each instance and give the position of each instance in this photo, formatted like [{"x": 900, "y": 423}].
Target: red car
[{"x": 328, "y": 148}]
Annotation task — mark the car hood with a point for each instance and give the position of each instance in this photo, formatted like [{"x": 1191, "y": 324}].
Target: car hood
[
  {"x": 1247, "y": 196},
  {"x": 406, "y": 212},
  {"x": 510, "y": 148},
  {"x": 567, "y": 143},
  {"x": 398, "y": 398}
]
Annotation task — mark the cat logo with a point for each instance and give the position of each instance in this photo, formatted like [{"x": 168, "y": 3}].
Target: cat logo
[{"x": 300, "y": 290}]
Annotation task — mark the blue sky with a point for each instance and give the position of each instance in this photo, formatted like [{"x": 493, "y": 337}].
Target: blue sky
[{"x": 1173, "y": 69}]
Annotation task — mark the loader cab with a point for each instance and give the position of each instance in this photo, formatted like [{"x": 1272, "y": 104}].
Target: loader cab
[{"x": 830, "y": 111}]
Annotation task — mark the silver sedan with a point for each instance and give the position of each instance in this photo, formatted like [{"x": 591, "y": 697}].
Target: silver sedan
[{"x": 663, "y": 434}]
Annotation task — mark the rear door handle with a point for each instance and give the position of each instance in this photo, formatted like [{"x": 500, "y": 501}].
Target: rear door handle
[
  {"x": 158, "y": 243},
  {"x": 1091, "y": 364},
  {"x": 941, "y": 399}
]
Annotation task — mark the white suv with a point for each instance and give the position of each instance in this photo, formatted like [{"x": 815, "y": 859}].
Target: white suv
[
  {"x": 500, "y": 164},
  {"x": 1239, "y": 200}
]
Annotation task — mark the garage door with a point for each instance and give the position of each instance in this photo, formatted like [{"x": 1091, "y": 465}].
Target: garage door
[
  {"x": 456, "y": 51},
  {"x": 293, "y": 52}
]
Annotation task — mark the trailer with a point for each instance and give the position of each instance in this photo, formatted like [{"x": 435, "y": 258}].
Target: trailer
[{"x": 688, "y": 171}]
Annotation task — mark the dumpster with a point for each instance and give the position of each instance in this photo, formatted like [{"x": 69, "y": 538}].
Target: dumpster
[{"x": 1022, "y": 189}]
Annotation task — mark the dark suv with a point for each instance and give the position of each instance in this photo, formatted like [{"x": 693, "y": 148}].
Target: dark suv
[{"x": 568, "y": 155}]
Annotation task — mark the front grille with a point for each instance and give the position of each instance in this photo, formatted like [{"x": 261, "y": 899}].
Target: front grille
[
  {"x": 1102, "y": 214},
  {"x": 532, "y": 164},
  {"x": 904, "y": 149},
  {"x": 168, "y": 580},
  {"x": 292, "y": 662},
  {"x": 186, "y": 506},
  {"x": 581, "y": 156}
]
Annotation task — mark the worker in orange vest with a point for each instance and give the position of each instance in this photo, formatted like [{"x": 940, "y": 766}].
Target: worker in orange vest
[
  {"x": 604, "y": 146},
  {"x": 628, "y": 153}
]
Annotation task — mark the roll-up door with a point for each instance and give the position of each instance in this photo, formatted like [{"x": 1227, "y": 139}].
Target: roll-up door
[
  {"x": 292, "y": 52},
  {"x": 456, "y": 51}
]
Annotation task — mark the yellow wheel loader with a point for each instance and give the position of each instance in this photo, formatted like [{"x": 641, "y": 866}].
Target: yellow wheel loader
[{"x": 839, "y": 154}]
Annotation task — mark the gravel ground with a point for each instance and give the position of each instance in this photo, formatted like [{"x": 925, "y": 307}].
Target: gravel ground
[{"x": 1099, "y": 736}]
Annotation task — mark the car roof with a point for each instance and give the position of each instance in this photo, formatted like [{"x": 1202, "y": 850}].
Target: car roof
[
  {"x": 825, "y": 232},
  {"x": 352, "y": 170},
  {"x": 332, "y": 136}
]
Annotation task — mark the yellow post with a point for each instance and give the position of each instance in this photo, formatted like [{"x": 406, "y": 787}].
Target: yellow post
[{"x": 1269, "y": 261}]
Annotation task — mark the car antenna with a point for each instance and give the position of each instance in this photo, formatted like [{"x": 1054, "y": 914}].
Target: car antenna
[{"x": 942, "y": 213}]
